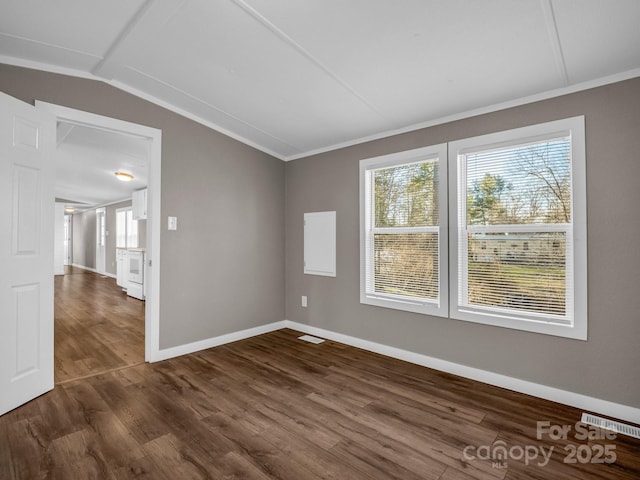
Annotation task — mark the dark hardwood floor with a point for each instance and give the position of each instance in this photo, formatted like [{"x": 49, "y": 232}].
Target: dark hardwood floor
[
  {"x": 275, "y": 407},
  {"x": 97, "y": 326}
]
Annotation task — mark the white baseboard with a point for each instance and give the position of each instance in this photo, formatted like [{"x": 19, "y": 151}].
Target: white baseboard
[
  {"x": 171, "y": 352},
  {"x": 106, "y": 274},
  {"x": 597, "y": 405},
  {"x": 84, "y": 267},
  {"x": 584, "y": 402}
]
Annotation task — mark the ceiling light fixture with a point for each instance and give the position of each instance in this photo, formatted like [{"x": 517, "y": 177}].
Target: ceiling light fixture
[
  {"x": 69, "y": 209},
  {"x": 124, "y": 176}
]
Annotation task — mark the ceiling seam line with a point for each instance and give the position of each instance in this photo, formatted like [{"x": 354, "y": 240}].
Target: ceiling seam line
[
  {"x": 554, "y": 37},
  {"x": 292, "y": 43},
  {"x": 577, "y": 87},
  {"x": 193, "y": 97},
  {"x": 98, "y": 69},
  {"x": 47, "y": 44},
  {"x": 194, "y": 117},
  {"x": 61, "y": 140}
]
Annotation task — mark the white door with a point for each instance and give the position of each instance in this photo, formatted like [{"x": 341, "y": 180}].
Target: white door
[
  {"x": 101, "y": 240},
  {"x": 27, "y": 176}
]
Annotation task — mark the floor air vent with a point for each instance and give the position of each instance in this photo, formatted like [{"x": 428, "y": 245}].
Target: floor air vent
[
  {"x": 310, "y": 339},
  {"x": 611, "y": 425}
]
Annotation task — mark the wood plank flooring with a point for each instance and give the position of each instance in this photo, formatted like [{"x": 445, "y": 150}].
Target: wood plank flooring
[
  {"x": 275, "y": 407},
  {"x": 97, "y": 326}
]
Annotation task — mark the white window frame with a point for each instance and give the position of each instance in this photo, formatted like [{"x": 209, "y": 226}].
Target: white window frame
[
  {"x": 575, "y": 323},
  {"x": 437, "y": 307},
  {"x": 126, "y": 210}
]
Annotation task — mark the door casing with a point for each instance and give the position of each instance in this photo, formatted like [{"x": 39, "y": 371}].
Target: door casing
[{"x": 78, "y": 117}]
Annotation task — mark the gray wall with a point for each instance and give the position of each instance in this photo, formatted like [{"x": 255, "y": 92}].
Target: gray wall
[
  {"x": 223, "y": 269},
  {"x": 84, "y": 239},
  {"x": 84, "y": 233},
  {"x": 605, "y": 366}
]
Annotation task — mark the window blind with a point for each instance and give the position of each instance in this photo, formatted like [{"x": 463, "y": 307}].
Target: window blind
[
  {"x": 516, "y": 241},
  {"x": 403, "y": 236}
]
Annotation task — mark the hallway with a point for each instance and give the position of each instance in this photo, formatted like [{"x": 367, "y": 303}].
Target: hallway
[{"x": 98, "y": 328}]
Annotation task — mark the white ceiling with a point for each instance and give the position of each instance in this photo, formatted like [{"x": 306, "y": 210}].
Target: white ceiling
[
  {"x": 294, "y": 77},
  {"x": 86, "y": 160}
]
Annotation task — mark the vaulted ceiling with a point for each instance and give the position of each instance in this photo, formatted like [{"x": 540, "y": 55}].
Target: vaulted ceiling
[{"x": 295, "y": 77}]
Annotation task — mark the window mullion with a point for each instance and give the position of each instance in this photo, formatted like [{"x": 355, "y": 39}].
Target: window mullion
[
  {"x": 532, "y": 227},
  {"x": 405, "y": 230}
]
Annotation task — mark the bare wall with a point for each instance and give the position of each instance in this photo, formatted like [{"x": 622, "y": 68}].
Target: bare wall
[
  {"x": 84, "y": 239},
  {"x": 223, "y": 269},
  {"x": 84, "y": 232},
  {"x": 605, "y": 366}
]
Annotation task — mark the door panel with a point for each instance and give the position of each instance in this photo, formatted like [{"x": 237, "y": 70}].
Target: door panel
[
  {"x": 27, "y": 140},
  {"x": 26, "y": 321},
  {"x": 26, "y": 206}
]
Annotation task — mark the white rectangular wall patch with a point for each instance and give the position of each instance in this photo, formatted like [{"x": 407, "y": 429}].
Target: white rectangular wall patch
[{"x": 320, "y": 243}]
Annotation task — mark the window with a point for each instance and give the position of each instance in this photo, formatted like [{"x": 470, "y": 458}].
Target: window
[
  {"x": 126, "y": 229},
  {"x": 404, "y": 231},
  {"x": 516, "y": 216},
  {"x": 522, "y": 194}
]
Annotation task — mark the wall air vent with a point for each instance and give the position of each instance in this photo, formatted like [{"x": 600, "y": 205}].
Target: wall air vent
[
  {"x": 309, "y": 338},
  {"x": 612, "y": 425}
]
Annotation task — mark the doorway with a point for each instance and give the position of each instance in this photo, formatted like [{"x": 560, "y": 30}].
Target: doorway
[{"x": 66, "y": 116}]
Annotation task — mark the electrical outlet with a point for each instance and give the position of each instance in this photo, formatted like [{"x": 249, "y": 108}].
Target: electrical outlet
[{"x": 304, "y": 301}]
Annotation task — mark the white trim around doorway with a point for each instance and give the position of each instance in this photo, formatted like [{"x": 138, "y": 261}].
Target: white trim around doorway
[{"x": 152, "y": 310}]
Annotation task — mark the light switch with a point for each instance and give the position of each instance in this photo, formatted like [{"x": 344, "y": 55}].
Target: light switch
[
  {"x": 304, "y": 301},
  {"x": 172, "y": 224}
]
